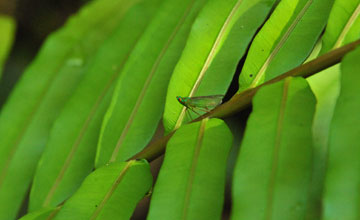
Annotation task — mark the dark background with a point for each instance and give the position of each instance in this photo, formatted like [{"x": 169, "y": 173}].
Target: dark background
[{"x": 36, "y": 19}]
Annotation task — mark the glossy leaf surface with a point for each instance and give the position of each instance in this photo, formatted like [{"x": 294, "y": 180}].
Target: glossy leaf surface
[
  {"x": 41, "y": 214},
  {"x": 217, "y": 41},
  {"x": 110, "y": 192},
  {"x": 192, "y": 177},
  {"x": 343, "y": 27},
  {"x": 42, "y": 91},
  {"x": 273, "y": 171},
  {"x": 139, "y": 97},
  {"x": 285, "y": 41},
  {"x": 342, "y": 196},
  {"x": 74, "y": 137}
]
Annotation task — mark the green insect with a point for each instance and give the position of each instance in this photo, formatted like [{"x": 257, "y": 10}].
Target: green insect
[{"x": 200, "y": 103}]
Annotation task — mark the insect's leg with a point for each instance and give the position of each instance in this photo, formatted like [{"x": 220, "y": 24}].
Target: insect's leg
[
  {"x": 193, "y": 109},
  {"x": 188, "y": 113},
  {"x": 206, "y": 110}
]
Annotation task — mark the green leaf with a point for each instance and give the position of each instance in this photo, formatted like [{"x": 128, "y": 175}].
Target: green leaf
[
  {"x": 343, "y": 27},
  {"x": 325, "y": 86},
  {"x": 39, "y": 96},
  {"x": 139, "y": 97},
  {"x": 342, "y": 196},
  {"x": 192, "y": 178},
  {"x": 7, "y": 32},
  {"x": 217, "y": 41},
  {"x": 73, "y": 138},
  {"x": 242, "y": 101},
  {"x": 273, "y": 171},
  {"x": 41, "y": 214},
  {"x": 285, "y": 41},
  {"x": 110, "y": 192}
]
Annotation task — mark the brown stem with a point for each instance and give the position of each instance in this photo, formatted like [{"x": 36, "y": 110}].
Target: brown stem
[{"x": 242, "y": 100}]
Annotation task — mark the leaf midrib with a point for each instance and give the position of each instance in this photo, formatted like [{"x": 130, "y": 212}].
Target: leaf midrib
[
  {"x": 275, "y": 163},
  {"x": 209, "y": 59},
  {"x": 17, "y": 141},
  {"x": 194, "y": 163},
  {"x": 78, "y": 140},
  {"x": 111, "y": 190},
  {"x": 54, "y": 212},
  {"x": 347, "y": 27},
  {"x": 279, "y": 45},
  {"x": 148, "y": 81},
  {"x": 84, "y": 128}
]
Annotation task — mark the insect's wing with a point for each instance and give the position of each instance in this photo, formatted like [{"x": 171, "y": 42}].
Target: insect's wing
[{"x": 205, "y": 102}]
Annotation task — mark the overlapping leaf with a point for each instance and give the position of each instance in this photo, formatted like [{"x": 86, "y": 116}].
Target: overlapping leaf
[
  {"x": 342, "y": 194},
  {"x": 242, "y": 101},
  {"x": 39, "y": 96},
  {"x": 7, "y": 31},
  {"x": 110, "y": 192},
  {"x": 139, "y": 97},
  {"x": 217, "y": 41},
  {"x": 41, "y": 214},
  {"x": 74, "y": 137},
  {"x": 273, "y": 171},
  {"x": 343, "y": 27},
  {"x": 285, "y": 41},
  {"x": 192, "y": 178},
  {"x": 326, "y": 89}
]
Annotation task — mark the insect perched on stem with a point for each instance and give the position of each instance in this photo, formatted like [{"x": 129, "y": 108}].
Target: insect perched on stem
[{"x": 200, "y": 103}]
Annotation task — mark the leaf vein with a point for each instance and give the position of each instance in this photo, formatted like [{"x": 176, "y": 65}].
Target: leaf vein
[
  {"x": 276, "y": 152},
  {"x": 281, "y": 43},
  {"x": 195, "y": 160},
  {"x": 209, "y": 59},
  {"x": 3, "y": 171},
  {"x": 147, "y": 84},
  {"x": 78, "y": 141},
  {"x": 347, "y": 27},
  {"x": 111, "y": 190}
]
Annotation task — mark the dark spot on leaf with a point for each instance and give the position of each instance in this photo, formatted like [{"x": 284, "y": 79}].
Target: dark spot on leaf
[{"x": 251, "y": 75}]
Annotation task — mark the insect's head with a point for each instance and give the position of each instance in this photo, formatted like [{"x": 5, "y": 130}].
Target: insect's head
[{"x": 180, "y": 99}]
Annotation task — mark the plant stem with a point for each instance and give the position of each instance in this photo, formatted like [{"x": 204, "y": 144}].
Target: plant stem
[{"x": 242, "y": 100}]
